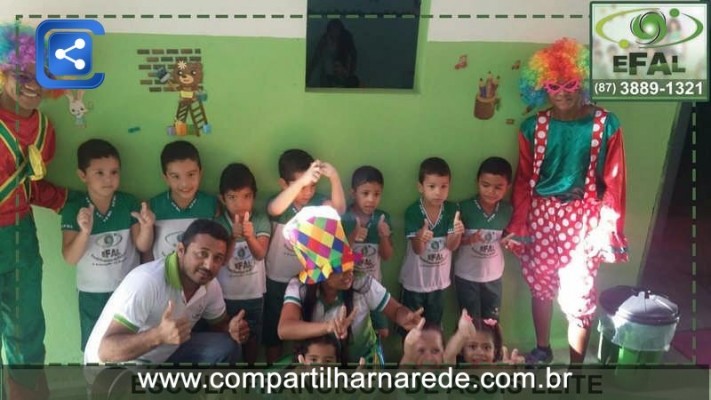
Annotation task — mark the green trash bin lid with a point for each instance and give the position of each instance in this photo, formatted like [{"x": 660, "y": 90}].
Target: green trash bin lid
[{"x": 639, "y": 305}]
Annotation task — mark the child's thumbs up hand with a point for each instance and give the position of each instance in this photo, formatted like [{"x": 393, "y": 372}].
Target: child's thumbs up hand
[
  {"x": 465, "y": 322},
  {"x": 458, "y": 225},
  {"x": 361, "y": 232},
  {"x": 514, "y": 358},
  {"x": 247, "y": 226},
  {"x": 145, "y": 217},
  {"x": 85, "y": 219},
  {"x": 413, "y": 335},
  {"x": 425, "y": 234},
  {"x": 237, "y": 227},
  {"x": 361, "y": 364},
  {"x": 383, "y": 227},
  {"x": 239, "y": 328}
]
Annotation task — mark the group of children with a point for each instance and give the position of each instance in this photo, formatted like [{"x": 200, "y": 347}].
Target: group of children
[
  {"x": 107, "y": 232},
  {"x": 570, "y": 174}
]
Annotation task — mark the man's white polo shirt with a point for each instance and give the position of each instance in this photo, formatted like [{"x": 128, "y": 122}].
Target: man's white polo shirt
[{"x": 141, "y": 299}]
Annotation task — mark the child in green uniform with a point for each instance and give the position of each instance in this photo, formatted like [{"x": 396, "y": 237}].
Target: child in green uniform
[
  {"x": 433, "y": 230},
  {"x": 479, "y": 261},
  {"x": 183, "y": 203},
  {"x": 243, "y": 278},
  {"x": 298, "y": 175},
  {"x": 102, "y": 231},
  {"x": 368, "y": 230}
]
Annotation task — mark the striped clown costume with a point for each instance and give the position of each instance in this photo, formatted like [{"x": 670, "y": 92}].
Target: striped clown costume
[{"x": 27, "y": 144}]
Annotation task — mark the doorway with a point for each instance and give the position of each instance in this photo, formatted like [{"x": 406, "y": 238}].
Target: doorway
[{"x": 668, "y": 268}]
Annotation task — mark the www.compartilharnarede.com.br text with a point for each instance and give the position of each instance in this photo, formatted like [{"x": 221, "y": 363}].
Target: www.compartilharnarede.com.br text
[{"x": 332, "y": 380}]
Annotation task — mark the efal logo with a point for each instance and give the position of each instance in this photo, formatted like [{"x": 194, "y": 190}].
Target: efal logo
[
  {"x": 649, "y": 27},
  {"x": 649, "y": 51},
  {"x": 64, "y": 54}
]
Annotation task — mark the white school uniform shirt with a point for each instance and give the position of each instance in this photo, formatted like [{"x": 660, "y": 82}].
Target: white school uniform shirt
[{"x": 368, "y": 295}]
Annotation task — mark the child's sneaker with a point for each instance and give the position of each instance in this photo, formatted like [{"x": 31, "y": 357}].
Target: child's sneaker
[{"x": 539, "y": 355}]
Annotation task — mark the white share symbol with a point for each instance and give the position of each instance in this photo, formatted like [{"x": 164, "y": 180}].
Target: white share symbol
[{"x": 62, "y": 54}]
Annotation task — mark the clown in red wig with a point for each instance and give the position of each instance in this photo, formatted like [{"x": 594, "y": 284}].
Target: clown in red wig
[
  {"x": 568, "y": 196},
  {"x": 26, "y": 145}
]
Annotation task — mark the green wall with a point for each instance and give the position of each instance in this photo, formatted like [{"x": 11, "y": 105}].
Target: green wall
[{"x": 258, "y": 108}]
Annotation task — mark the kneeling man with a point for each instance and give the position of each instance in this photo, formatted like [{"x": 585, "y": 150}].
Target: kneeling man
[{"x": 149, "y": 317}]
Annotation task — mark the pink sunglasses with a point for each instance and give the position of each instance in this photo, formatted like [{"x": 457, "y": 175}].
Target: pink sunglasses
[{"x": 569, "y": 87}]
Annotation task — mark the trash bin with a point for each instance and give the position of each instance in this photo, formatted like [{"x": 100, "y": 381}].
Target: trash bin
[{"x": 636, "y": 326}]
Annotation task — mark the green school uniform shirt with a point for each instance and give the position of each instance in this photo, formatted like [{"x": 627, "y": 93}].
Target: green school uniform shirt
[
  {"x": 110, "y": 253},
  {"x": 172, "y": 221},
  {"x": 369, "y": 248},
  {"x": 430, "y": 270},
  {"x": 482, "y": 261},
  {"x": 243, "y": 277}
]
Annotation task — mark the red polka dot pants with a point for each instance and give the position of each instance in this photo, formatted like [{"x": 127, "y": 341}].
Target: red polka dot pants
[{"x": 557, "y": 261}]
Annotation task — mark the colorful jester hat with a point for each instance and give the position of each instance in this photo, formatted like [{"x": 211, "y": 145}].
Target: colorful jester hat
[{"x": 320, "y": 243}]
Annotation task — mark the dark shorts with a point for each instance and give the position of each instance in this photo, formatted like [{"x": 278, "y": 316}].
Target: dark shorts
[
  {"x": 273, "y": 302},
  {"x": 481, "y": 299},
  {"x": 90, "y": 307},
  {"x": 432, "y": 302}
]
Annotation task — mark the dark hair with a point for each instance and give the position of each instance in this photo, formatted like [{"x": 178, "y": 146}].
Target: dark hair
[
  {"x": 434, "y": 166},
  {"x": 293, "y": 161},
  {"x": 495, "y": 166},
  {"x": 93, "y": 149},
  {"x": 237, "y": 176},
  {"x": 366, "y": 174},
  {"x": 494, "y": 333},
  {"x": 434, "y": 327},
  {"x": 328, "y": 340},
  {"x": 177, "y": 151},
  {"x": 204, "y": 226}
]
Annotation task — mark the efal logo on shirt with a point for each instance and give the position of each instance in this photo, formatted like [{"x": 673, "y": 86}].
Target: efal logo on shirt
[
  {"x": 108, "y": 240},
  {"x": 433, "y": 252}
]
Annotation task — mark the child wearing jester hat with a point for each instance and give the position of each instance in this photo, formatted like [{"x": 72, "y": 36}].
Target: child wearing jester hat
[
  {"x": 327, "y": 298},
  {"x": 27, "y": 144},
  {"x": 568, "y": 194}
]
